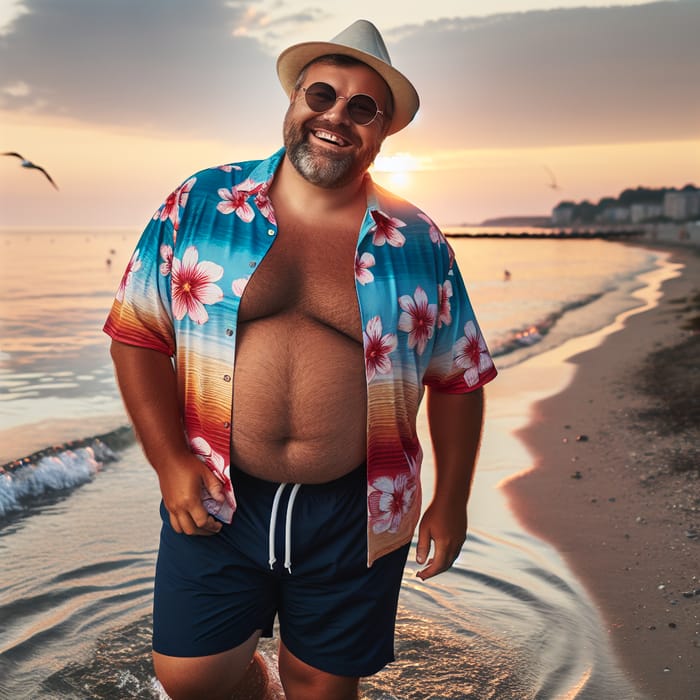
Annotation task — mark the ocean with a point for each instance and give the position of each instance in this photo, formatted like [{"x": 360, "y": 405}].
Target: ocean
[{"x": 79, "y": 505}]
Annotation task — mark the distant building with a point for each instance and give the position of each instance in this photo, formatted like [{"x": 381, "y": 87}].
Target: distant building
[
  {"x": 615, "y": 215},
  {"x": 682, "y": 205},
  {"x": 563, "y": 214},
  {"x": 645, "y": 211}
]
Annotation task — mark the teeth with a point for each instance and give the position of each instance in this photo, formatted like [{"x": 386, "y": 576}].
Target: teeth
[{"x": 327, "y": 136}]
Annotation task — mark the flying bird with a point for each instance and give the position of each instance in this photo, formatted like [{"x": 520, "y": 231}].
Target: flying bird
[
  {"x": 552, "y": 180},
  {"x": 28, "y": 164}
]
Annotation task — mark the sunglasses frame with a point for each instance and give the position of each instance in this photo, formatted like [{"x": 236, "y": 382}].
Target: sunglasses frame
[{"x": 340, "y": 97}]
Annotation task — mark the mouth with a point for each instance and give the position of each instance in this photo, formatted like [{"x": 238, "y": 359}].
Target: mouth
[{"x": 330, "y": 137}]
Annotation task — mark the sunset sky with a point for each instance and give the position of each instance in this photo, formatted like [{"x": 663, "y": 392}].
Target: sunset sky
[{"x": 121, "y": 100}]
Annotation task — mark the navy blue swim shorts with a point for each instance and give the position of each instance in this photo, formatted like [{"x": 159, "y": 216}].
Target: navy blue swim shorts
[{"x": 298, "y": 552}]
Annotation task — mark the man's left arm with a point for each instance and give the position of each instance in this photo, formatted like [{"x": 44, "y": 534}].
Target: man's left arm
[{"x": 455, "y": 422}]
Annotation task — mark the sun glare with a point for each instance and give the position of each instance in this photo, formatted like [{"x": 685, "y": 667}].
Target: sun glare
[{"x": 396, "y": 169}]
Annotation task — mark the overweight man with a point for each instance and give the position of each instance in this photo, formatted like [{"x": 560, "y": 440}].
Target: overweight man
[{"x": 273, "y": 336}]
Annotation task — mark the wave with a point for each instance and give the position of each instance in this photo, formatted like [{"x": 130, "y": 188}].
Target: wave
[
  {"x": 57, "y": 469},
  {"x": 534, "y": 333}
]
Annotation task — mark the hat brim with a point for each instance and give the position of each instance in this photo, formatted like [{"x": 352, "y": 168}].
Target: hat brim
[{"x": 292, "y": 60}]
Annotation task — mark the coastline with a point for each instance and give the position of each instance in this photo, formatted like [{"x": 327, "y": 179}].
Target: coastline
[{"x": 615, "y": 486}]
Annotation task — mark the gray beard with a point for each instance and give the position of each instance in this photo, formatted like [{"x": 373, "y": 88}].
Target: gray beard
[{"x": 319, "y": 169}]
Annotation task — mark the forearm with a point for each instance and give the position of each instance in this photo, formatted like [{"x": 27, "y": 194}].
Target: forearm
[
  {"x": 455, "y": 422},
  {"x": 148, "y": 387}
]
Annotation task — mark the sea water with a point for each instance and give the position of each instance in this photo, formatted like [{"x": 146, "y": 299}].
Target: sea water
[{"x": 78, "y": 515}]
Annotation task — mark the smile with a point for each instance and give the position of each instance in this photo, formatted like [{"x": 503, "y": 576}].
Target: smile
[{"x": 330, "y": 137}]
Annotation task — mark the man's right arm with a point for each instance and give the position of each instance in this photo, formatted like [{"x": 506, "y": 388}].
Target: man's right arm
[{"x": 148, "y": 386}]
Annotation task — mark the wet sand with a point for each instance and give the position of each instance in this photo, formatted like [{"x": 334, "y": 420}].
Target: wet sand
[{"x": 616, "y": 485}]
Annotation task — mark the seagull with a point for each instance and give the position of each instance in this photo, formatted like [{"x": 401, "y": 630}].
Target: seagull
[
  {"x": 553, "y": 180},
  {"x": 28, "y": 164}
]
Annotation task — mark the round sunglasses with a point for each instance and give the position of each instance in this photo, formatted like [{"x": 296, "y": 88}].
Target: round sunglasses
[{"x": 362, "y": 108}]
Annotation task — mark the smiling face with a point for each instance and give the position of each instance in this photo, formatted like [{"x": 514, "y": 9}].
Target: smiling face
[{"x": 328, "y": 148}]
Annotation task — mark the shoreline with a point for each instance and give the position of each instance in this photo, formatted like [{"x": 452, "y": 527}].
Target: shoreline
[{"x": 615, "y": 485}]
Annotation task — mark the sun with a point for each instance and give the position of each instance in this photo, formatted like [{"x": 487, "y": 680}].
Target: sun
[{"x": 395, "y": 169}]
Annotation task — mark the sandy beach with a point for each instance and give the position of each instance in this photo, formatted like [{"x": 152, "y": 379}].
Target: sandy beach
[{"x": 616, "y": 485}]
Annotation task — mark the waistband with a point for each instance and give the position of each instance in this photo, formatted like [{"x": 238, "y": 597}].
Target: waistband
[
  {"x": 352, "y": 479},
  {"x": 357, "y": 475}
]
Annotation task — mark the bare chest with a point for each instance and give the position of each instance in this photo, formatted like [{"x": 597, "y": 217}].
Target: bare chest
[{"x": 308, "y": 273}]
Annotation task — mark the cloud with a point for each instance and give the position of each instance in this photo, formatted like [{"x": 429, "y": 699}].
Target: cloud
[
  {"x": 206, "y": 69},
  {"x": 572, "y": 76},
  {"x": 165, "y": 65}
]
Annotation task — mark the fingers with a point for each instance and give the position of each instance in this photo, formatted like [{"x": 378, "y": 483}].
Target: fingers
[
  {"x": 444, "y": 555},
  {"x": 440, "y": 562},
  {"x": 194, "y": 520}
]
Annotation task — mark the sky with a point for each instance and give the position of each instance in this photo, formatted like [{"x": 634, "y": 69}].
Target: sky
[{"x": 524, "y": 103}]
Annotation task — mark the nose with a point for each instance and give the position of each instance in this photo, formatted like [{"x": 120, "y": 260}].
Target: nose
[{"x": 339, "y": 108}]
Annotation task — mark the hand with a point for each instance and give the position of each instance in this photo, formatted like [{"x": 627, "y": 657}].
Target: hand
[
  {"x": 446, "y": 528},
  {"x": 181, "y": 487}
]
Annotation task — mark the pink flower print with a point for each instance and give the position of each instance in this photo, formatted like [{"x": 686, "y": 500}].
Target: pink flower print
[
  {"x": 229, "y": 167},
  {"x": 444, "y": 306},
  {"x": 377, "y": 348},
  {"x": 417, "y": 319},
  {"x": 236, "y": 200},
  {"x": 238, "y": 286},
  {"x": 166, "y": 252},
  {"x": 436, "y": 235},
  {"x": 217, "y": 465},
  {"x": 362, "y": 265},
  {"x": 386, "y": 230},
  {"x": 263, "y": 203},
  {"x": 171, "y": 207},
  {"x": 193, "y": 286},
  {"x": 470, "y": 352},
  {"x": 133, "y": 266},
  {"x": 203, "y": 450},
  {"x": 390, "y": 501}
]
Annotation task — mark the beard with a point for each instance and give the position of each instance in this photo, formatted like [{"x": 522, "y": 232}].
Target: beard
[{"x": 318, "y": 165}]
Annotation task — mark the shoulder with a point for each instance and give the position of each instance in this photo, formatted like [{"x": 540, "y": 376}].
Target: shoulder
[
  {"x": 226, "y": 175},
  {"x": 413, "y": 218}
]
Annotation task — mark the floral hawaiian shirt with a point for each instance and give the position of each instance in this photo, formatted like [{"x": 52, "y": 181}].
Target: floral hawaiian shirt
[{"x": 180, "y": 295}]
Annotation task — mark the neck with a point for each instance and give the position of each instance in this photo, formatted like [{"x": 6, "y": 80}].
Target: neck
[{"x": 296, "y": 194}]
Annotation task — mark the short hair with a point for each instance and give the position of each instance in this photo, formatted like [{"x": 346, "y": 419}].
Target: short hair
[{"x": 339, "y": 59}]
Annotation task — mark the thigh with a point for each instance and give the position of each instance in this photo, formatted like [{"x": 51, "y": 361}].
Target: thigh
[
  {"x": 212, "y": 677},
  {"x": 301, "y": 681},
  {"x": 209, "y": 597}
]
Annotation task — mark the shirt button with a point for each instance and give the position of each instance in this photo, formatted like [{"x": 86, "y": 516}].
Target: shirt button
[
  {"x": 227, "y": 377},
  {"x": 252, "y": 263},
  {"x": 270, "y": 232},
  {"x": 227, "y": 424},
  {"x": 229, "y": 332}
]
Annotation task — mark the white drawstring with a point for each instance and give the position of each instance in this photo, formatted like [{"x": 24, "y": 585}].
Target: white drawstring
[
  {"x": 287, "y": 526},
  {"x": 273, "y": 524},
  {"x": 288, "y": 529}
]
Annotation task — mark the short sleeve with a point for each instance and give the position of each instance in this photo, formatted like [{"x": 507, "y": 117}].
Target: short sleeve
[
  {"x": 141, "y": 313},
  {"x": 460, "y": 361}
]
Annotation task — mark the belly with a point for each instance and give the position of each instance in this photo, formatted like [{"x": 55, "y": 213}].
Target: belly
[{"x": 299, "y": 401}]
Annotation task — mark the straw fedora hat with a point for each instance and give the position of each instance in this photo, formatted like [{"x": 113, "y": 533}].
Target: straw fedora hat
[{"x": 362, "y": 41}]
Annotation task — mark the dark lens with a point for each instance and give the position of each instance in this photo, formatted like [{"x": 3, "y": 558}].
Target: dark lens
[
  {"x": 362, "y": 109},
  {"x": 320, "y": 96}
]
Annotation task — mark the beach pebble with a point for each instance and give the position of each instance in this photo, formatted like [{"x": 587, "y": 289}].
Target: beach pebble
[
  {"x": 691, "y": 534},
  {"x": 577, "y": 475},
  {"x": 582, "y": 438}
]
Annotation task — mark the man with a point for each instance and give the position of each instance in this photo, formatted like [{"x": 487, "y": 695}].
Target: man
[{"x": 305, "y": 309}]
